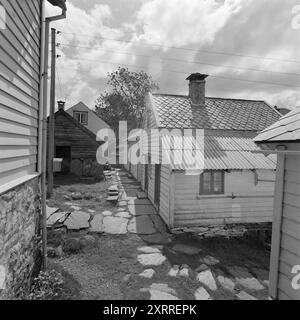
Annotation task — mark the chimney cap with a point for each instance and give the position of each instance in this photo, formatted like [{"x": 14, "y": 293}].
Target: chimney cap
[
  {"x": 61, "y": 104},
  {"x": 197, "y": 77}
]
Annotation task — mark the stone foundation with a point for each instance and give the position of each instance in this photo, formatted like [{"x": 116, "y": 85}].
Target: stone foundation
[{"x": 20, "y": 244}]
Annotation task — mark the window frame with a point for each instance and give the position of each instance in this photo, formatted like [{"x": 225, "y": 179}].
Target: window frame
[
  {"x": 81, "y": 113},
  {"x": 211, "y": 191}
]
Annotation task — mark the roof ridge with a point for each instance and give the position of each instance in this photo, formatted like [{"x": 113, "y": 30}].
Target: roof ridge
[{"x": 220, "y": 98}]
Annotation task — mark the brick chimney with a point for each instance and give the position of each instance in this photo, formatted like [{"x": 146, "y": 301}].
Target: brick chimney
[
  {"x": 61, "y": 105},
  {"x": 197, "y": 89}
]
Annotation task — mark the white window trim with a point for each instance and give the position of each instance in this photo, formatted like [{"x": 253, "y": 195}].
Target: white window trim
[{"x": 17, "y": 182}]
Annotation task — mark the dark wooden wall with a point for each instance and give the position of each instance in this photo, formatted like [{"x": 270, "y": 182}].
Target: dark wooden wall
[{"x": 67, "y": 133}]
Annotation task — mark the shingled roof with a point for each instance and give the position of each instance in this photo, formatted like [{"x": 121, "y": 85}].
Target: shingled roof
[
  {"x": 286, "y": 129},
  {"x": 175, "y": 111}
]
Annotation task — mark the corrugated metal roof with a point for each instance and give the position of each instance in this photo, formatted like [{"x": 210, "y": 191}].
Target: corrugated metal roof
[
  {"x": 226, "y": 114},
  {"x": 218, "y": 152},
  {"x": 286, "y": 129}
]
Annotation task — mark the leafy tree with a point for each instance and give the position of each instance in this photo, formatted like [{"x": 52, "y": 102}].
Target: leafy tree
[{"x": 126, "y": 100}]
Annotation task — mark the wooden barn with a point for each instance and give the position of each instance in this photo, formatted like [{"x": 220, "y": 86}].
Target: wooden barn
[
  {"x": 283, "y": 138},
  {"x": 76, "y": 145},
  {"x": 229, "y": 184}
]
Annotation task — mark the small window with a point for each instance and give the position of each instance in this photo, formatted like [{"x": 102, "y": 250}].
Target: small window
[
  {"x": 81, "y": 117},
  {"x": 212, "y": 182}
]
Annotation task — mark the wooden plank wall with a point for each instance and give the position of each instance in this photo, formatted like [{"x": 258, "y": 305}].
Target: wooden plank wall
[
  {"x": 68, "y": 134},
  {"x": 290, "y": 229},
  {"x": 19, "y": 89},
  {"x": 191, "y": 210}
]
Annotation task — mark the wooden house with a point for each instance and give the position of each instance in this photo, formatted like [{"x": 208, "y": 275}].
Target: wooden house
[
  {"x": 229, "y": 184},
  {"x": 85, "y": 116},
  {"x": 283, "y": 138},
  {"x": 22, "y": 52},
  {"x": 76, "y": 145}
]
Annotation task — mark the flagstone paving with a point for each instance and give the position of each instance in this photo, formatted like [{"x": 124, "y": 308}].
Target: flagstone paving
[{"x": 147, "y": 262}]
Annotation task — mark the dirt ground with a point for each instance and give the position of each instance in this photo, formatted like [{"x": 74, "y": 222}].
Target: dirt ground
[{"x": 111, "y": 270}]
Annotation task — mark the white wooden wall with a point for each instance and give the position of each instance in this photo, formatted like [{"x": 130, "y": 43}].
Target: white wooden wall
[
  {"x": 252, "y": 203},
  {"x": 165, "y": 196},
  {"x": 290, "y": 229},
  {"x": 19, "y": 89}
]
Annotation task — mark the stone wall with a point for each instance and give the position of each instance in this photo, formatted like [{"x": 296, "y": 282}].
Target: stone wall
[{"x": 20, "y": 244}]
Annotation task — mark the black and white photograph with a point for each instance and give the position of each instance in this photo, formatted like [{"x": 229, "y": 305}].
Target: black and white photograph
[{"x": 149, "y": 153}]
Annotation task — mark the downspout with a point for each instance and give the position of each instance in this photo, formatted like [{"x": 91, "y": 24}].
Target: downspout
[{"x": 46, "y": 28}]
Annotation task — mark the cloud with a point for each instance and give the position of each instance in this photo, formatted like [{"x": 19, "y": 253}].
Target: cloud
[
  {"x": 180, "y": 23},
  {"x": 145, "y": 31}
]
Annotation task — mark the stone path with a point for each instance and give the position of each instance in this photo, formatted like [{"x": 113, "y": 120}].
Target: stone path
[
  {"x": 133, "y": 213},
  {"x": 168, "y": 264}
]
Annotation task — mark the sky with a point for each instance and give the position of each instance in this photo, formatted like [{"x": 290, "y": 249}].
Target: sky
[{"x": 250, "y": 48}]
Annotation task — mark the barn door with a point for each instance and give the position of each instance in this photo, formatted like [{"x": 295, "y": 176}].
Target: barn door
[{"x": 157, "y": 184}]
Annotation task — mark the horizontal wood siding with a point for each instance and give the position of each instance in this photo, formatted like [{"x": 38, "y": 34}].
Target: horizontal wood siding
[
  {"x": 290, "y": 229},
  {"x": 251, "y": 203},
  {"x": 19, "y": 88},
  {"x": 67, "y": 133}
]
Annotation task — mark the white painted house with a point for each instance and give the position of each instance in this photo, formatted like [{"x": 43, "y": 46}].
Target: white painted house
[
  {"x": 22, "y": 53},
  {"x": 284, "y": 138},
  {"x": 231, "y": 185},
  {"x": 85, "y": 116}
]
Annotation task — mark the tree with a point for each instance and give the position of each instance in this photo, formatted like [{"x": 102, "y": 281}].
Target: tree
[{"x": 126, "y": 101}]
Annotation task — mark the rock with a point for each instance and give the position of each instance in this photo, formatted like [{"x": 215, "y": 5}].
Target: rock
[
  {"x": 107, "y": 213},
  {"x": 207, "y": 278},
  {"x": 75, "y": 208},
  {"x": 97, "y": 224},
  {"x": 152, "y": 259},
  {"x": 202, "y": 294},
  {"x": 149, "y": 250},
  {"x": 76, "y": 196},
  {"x": 245, "y": 296},
  {"x": 50, "y": 211},
  {"x": 72, "y": 245},
  {"x": 115, "y": 225},
  {"x": 202, "y": 267},
  {"x": 141, "y": 225},
  {"x": 68, "y": 198},
  {"x": 148, "y": 273},
  {"x": 113, "y": 188},
  {"x": 162, "y": 287},
  {"x": 123, "y": 214},
  {"x": 87, "y": 241},
  {"x": 226, "y": 283},
  {"x": 211, "y": 261},
  {"x": 77, "y": 220},
  {"x": 184, "y": 271},
  {"x": 57, "y": 218},
  {"x": 244, "y": 278},
  {"x": 160, "y": 295},
  {"x": 186, "y": 249},
  {"x": 174, "y": 271},
  {"x": 91, "y": 211},
  {"x": 122, "y": 203}
]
